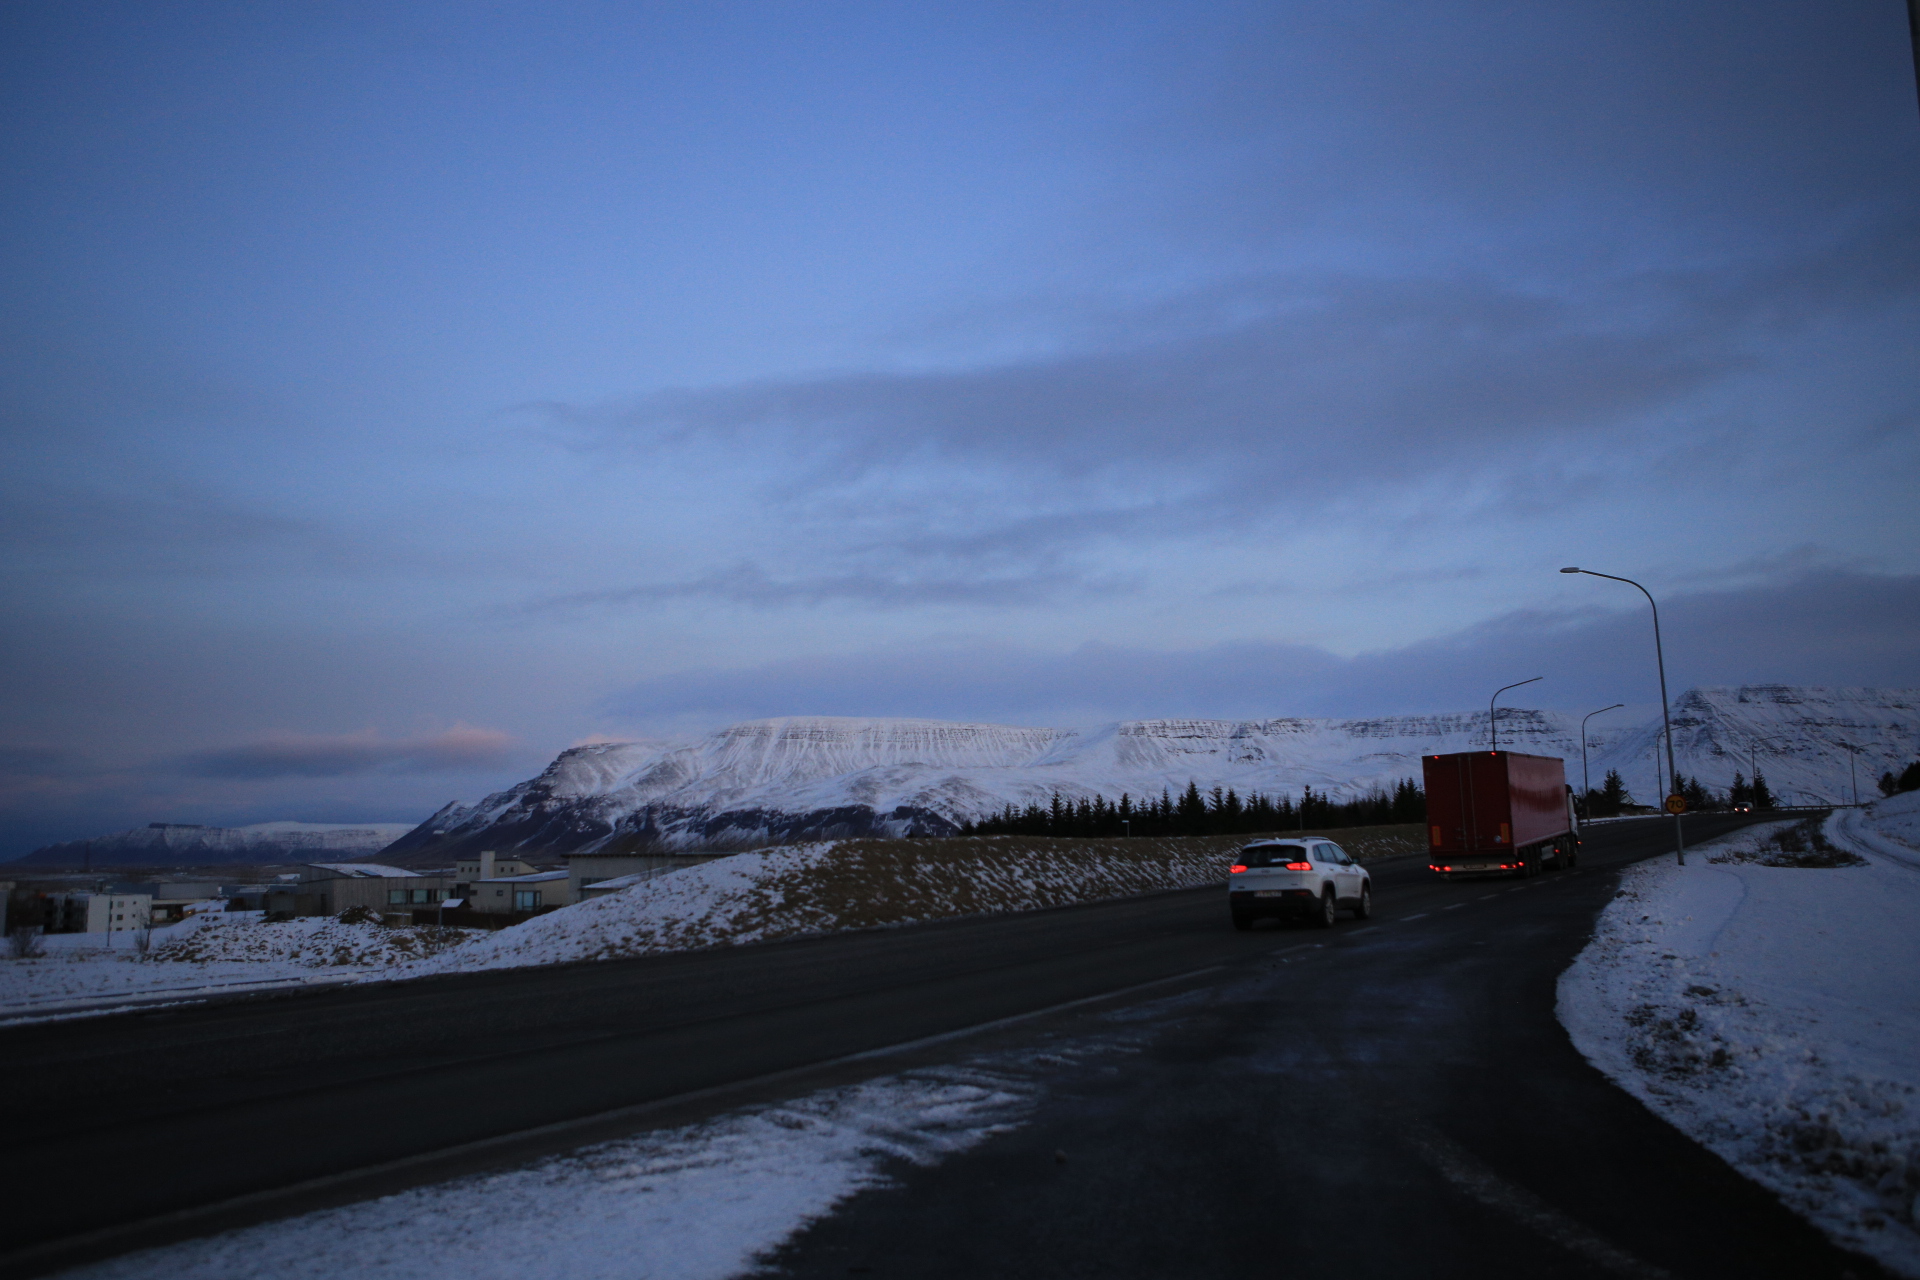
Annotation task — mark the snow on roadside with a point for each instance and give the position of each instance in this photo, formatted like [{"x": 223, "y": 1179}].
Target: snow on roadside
[
  {"x": 1771, "y": 1013},
  {"x": 825, "y": 888},
  {"x": 702, "y": 1202},
  {"x": 212, "y": 951}
]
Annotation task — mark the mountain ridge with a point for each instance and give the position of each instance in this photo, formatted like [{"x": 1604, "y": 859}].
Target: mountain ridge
[{"x": 820, "y": 776}]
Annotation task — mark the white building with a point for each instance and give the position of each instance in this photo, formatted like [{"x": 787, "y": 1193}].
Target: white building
[{"x": 119, "y": 912}]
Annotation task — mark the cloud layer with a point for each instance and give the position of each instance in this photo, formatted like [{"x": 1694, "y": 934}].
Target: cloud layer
[
  {"x": 1828, "y": 628},
  {"x": 306, "y": 755}
]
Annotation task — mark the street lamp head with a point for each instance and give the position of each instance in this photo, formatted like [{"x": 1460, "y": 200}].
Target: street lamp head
[{"x": 1570, "y": 569}]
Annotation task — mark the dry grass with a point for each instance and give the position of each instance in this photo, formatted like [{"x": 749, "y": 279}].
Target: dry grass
[
  {"x": 863, "y": 883},
  {"x": 1799, "y": 845}
]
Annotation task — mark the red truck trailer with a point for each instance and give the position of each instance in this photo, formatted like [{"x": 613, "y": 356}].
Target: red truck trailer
[{"x": 1499, "y": 813}]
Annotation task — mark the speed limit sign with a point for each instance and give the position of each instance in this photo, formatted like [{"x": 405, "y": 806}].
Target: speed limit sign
[{"x": 1676, "y": 804}]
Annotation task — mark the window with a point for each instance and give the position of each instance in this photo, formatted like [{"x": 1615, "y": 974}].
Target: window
[
  {"x": 396, "y": 897},
  {"x": 1269, "y": 855},
  {"x": 525, "y": 899},
  {"x": 420, "y": 895}
]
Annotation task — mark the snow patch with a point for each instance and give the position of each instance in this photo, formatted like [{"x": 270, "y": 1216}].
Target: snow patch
[
  {"x": 1770, "y": 1012},
  {"x": 702, "y": 1202}
]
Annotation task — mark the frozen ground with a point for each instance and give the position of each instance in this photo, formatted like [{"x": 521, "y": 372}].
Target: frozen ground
[
  {"x": 1771, "y": 1012},
  {"x": 208, "y": 953},
  {"x": 698, "y": 1203}
]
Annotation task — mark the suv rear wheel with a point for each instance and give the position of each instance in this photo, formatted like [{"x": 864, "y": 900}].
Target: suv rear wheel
[
  {"x": 1329, "y": 911},
  {"x": 1365, "y": 908}
]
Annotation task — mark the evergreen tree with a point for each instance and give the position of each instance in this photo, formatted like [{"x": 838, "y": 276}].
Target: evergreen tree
[
  {"x": 1193, "y": 811},
  {"x": 1762, "y": 793},
  {"x": 1613, "y": 795}
]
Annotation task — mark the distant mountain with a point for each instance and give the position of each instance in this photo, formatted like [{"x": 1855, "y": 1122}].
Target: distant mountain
[
  {"x": 1800, "y": 737},
  {"x": 180, "y": 844},
  {"x": 805, "y": 777}
]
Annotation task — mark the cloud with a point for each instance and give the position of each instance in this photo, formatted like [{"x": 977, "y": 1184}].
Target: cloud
[
  {"x": 1834, "y": 628},
  {"x": 335, "y": 755},
  {"x": 1185, "y": 416},
  {"x": 749, "y": 584}
]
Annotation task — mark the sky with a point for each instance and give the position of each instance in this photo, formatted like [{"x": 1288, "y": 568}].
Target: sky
[{"x": 395, "y": 395}]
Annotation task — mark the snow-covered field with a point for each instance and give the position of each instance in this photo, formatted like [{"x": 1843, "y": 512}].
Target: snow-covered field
[
  {"x": 1772, "y": 1012},
  {"x": 208, "y": 953},
  {"x": 702, "y": 1202}
]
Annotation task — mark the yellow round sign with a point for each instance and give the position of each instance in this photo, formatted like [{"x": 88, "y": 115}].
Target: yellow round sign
[{"x": 1676, "y": 803}]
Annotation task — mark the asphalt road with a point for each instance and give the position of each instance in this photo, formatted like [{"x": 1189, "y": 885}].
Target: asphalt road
[{"x": 1398, "y": 1101}]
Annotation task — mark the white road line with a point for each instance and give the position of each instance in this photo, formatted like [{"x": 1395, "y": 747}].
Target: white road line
[
  {"x": 1454, "y": 907},
  {"x": 1421, "y": 916},
  {"x": 1459, "y": 1167}
]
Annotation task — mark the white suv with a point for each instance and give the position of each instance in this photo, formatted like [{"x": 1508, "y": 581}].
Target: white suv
[{"x": 1307, "y": 878}]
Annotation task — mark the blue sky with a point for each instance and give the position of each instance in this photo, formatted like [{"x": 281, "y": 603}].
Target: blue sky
[{"x": 393, "y": 396}]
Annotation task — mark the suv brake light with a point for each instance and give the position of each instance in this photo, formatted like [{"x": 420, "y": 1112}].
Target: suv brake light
[
  {"x": 1299, "y": 866},
  {"x": 1237, "y": 868}
]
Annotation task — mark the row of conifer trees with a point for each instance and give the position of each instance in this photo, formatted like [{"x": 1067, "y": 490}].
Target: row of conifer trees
[
  {"x": 1607, "y": 801},
  {"x": 1221, "y": 811}
]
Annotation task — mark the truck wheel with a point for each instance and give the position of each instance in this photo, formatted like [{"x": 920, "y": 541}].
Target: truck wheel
[{"x": 1329, "y": 912}]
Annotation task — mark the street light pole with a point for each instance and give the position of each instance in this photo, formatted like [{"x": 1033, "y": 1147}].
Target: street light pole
[
  {"x": 1660, "y": 660},
  {"x": 1491, "y": 729},
  {"x": 1586, "y": 779}
]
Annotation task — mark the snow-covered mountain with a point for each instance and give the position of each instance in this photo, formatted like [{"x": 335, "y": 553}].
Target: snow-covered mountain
[
  {"x": 1801, "y": 738},
  {"x": 824, "y": 776},
  {"x": 180, "y": 844}
]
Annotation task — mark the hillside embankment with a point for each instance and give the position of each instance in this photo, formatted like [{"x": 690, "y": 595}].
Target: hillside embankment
[{"x": 807, "y": 890}]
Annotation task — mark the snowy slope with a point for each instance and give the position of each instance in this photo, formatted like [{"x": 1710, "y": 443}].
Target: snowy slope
[
  {"x": 1770, "y": 1013},
  {"x": 1799, "y": 738},
  {"x": 180, "y": 844},
  {"x": 824, "y": 777}
]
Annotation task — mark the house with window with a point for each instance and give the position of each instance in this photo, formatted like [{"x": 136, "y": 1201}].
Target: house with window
[
  {"x": 328, "y": 888},
  {"x": 469, "y": 871},
  {"x": 522, "y": 894},
  {"x": 119, "y": 912}
]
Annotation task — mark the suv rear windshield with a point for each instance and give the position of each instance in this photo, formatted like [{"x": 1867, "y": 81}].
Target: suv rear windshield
[{"x": 1272, "y": 855}]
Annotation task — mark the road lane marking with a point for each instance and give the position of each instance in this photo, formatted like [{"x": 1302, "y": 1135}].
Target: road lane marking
[
  {"x": 1421, "y": 916},
  {"x": 1465, "y": 1172},
  {"x": 1453, "y": 906}
]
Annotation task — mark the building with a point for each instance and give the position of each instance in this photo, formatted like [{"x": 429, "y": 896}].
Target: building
[
  {"x": 171, "y": 900},
  {"x": 118, "y": 912},
  {"x": 468, "y": 872},
  {"x": 630, "y": 868},
  {"x": 329, "y": 888},
  {"x": 537, "y": 891}
]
